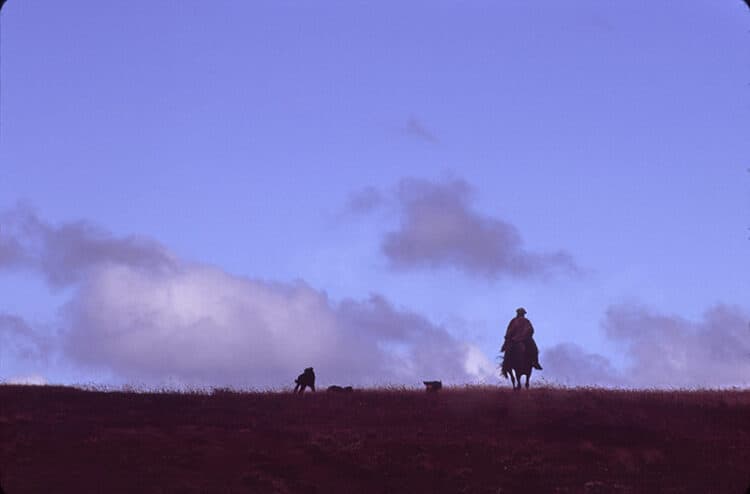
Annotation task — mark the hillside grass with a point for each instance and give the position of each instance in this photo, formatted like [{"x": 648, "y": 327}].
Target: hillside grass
[{"x": 461, "y": 439}]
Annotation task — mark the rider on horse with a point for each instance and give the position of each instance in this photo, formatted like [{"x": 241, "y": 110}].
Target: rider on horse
[{"x": 520, "y": 330}]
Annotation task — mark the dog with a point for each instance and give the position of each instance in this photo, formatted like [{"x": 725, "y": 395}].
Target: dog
[
  {"x": 339, "y": 389},
  {"x": 432, "y": 386},
  {"x": 307, "y": 378}
]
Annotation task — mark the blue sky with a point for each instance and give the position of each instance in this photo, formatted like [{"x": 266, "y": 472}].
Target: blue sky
[{"x": 234, "y": 139}]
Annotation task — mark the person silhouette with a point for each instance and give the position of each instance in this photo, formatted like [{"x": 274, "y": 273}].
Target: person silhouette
[
  {"x": 305, "y": 380},
  {"x": 521, "y": 330}
]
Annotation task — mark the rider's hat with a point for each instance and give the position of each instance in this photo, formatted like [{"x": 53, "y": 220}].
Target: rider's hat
[{"x": 521, "y": 310}]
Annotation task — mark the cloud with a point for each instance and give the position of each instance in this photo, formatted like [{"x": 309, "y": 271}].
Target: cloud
[
  {"x": 662, "y": 351},
  {"x": 439, "y": 229},
  {"x": 10, "y": 251},
  {"x": 139, "y": 311},
  {"x": 148, "y": 316},
  {"x": 27, "y": 380},
  {"x": 569, "y": 364},
  {"x": 364, "y": 200},
  {"x": 22, "y": 340},
  {"x": 672, "y": 351},
  {"x": 65, "y": 254},
  {"x": 201, "y": 325},
  {"x": 415, "y": 128}
]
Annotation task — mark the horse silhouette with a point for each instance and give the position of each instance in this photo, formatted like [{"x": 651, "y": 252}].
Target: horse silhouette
[{"x": 517, "y": 362}]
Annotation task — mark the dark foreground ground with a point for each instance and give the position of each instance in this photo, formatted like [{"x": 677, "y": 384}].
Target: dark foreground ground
[{"x": 486, "y": 440}]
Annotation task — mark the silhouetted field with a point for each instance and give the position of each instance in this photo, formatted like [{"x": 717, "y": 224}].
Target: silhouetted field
[{"x": 473, "y": 440}]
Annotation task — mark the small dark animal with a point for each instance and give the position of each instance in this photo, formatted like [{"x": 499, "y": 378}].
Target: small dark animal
[
  {"x": 432, "y": 386},
  {"x": 307, "y": 378},
  {"x": 339, "y": 389}
]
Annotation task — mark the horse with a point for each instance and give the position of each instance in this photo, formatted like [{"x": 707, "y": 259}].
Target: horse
[{"x": 516, "y": 363}]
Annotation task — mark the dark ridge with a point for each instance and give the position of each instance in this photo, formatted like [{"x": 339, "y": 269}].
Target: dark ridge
[{"x": 468, "y": 439}]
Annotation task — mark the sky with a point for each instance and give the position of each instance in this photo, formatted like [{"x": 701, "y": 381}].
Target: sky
[{"x": 225, "y": 194}]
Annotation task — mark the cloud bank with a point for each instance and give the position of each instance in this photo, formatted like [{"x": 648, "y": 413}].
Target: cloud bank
[
  {"x": 199, "y": 324},
  {"x": 662, "y": 350},
  {"x": 149, "y": 317},
  {"x": 439, "y": 229},
  {"x": 139, "y": 311}
]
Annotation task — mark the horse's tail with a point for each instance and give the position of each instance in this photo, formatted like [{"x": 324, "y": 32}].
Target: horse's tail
[{"x": 505, "y": 366}]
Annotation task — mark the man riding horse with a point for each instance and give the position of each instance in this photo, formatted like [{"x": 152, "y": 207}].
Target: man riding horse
[{"x": 520, "y": 330}]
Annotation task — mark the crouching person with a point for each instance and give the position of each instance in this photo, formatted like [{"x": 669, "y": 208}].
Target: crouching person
[{"x": 304, "y": 380}]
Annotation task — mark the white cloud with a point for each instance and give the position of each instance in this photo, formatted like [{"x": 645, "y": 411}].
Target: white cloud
[
  {"x": 142, "y": 313},
  {"x": 31, "y": 379},
  {"x": 202, "y": 325},
  {"x": 139, "y": 311}
]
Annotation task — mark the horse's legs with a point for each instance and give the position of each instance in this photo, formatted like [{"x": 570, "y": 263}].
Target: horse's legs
[
  {"x": 512, "y": 378},
  {"x": 527, "y": 380}
]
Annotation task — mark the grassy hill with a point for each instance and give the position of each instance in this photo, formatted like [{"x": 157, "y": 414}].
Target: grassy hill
[{"x": 462, "y": 440}]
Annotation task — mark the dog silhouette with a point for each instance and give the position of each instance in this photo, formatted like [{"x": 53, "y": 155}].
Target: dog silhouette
[
  {"x": 339, "y": 389},
  {"x": 432, "y": 386}
]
